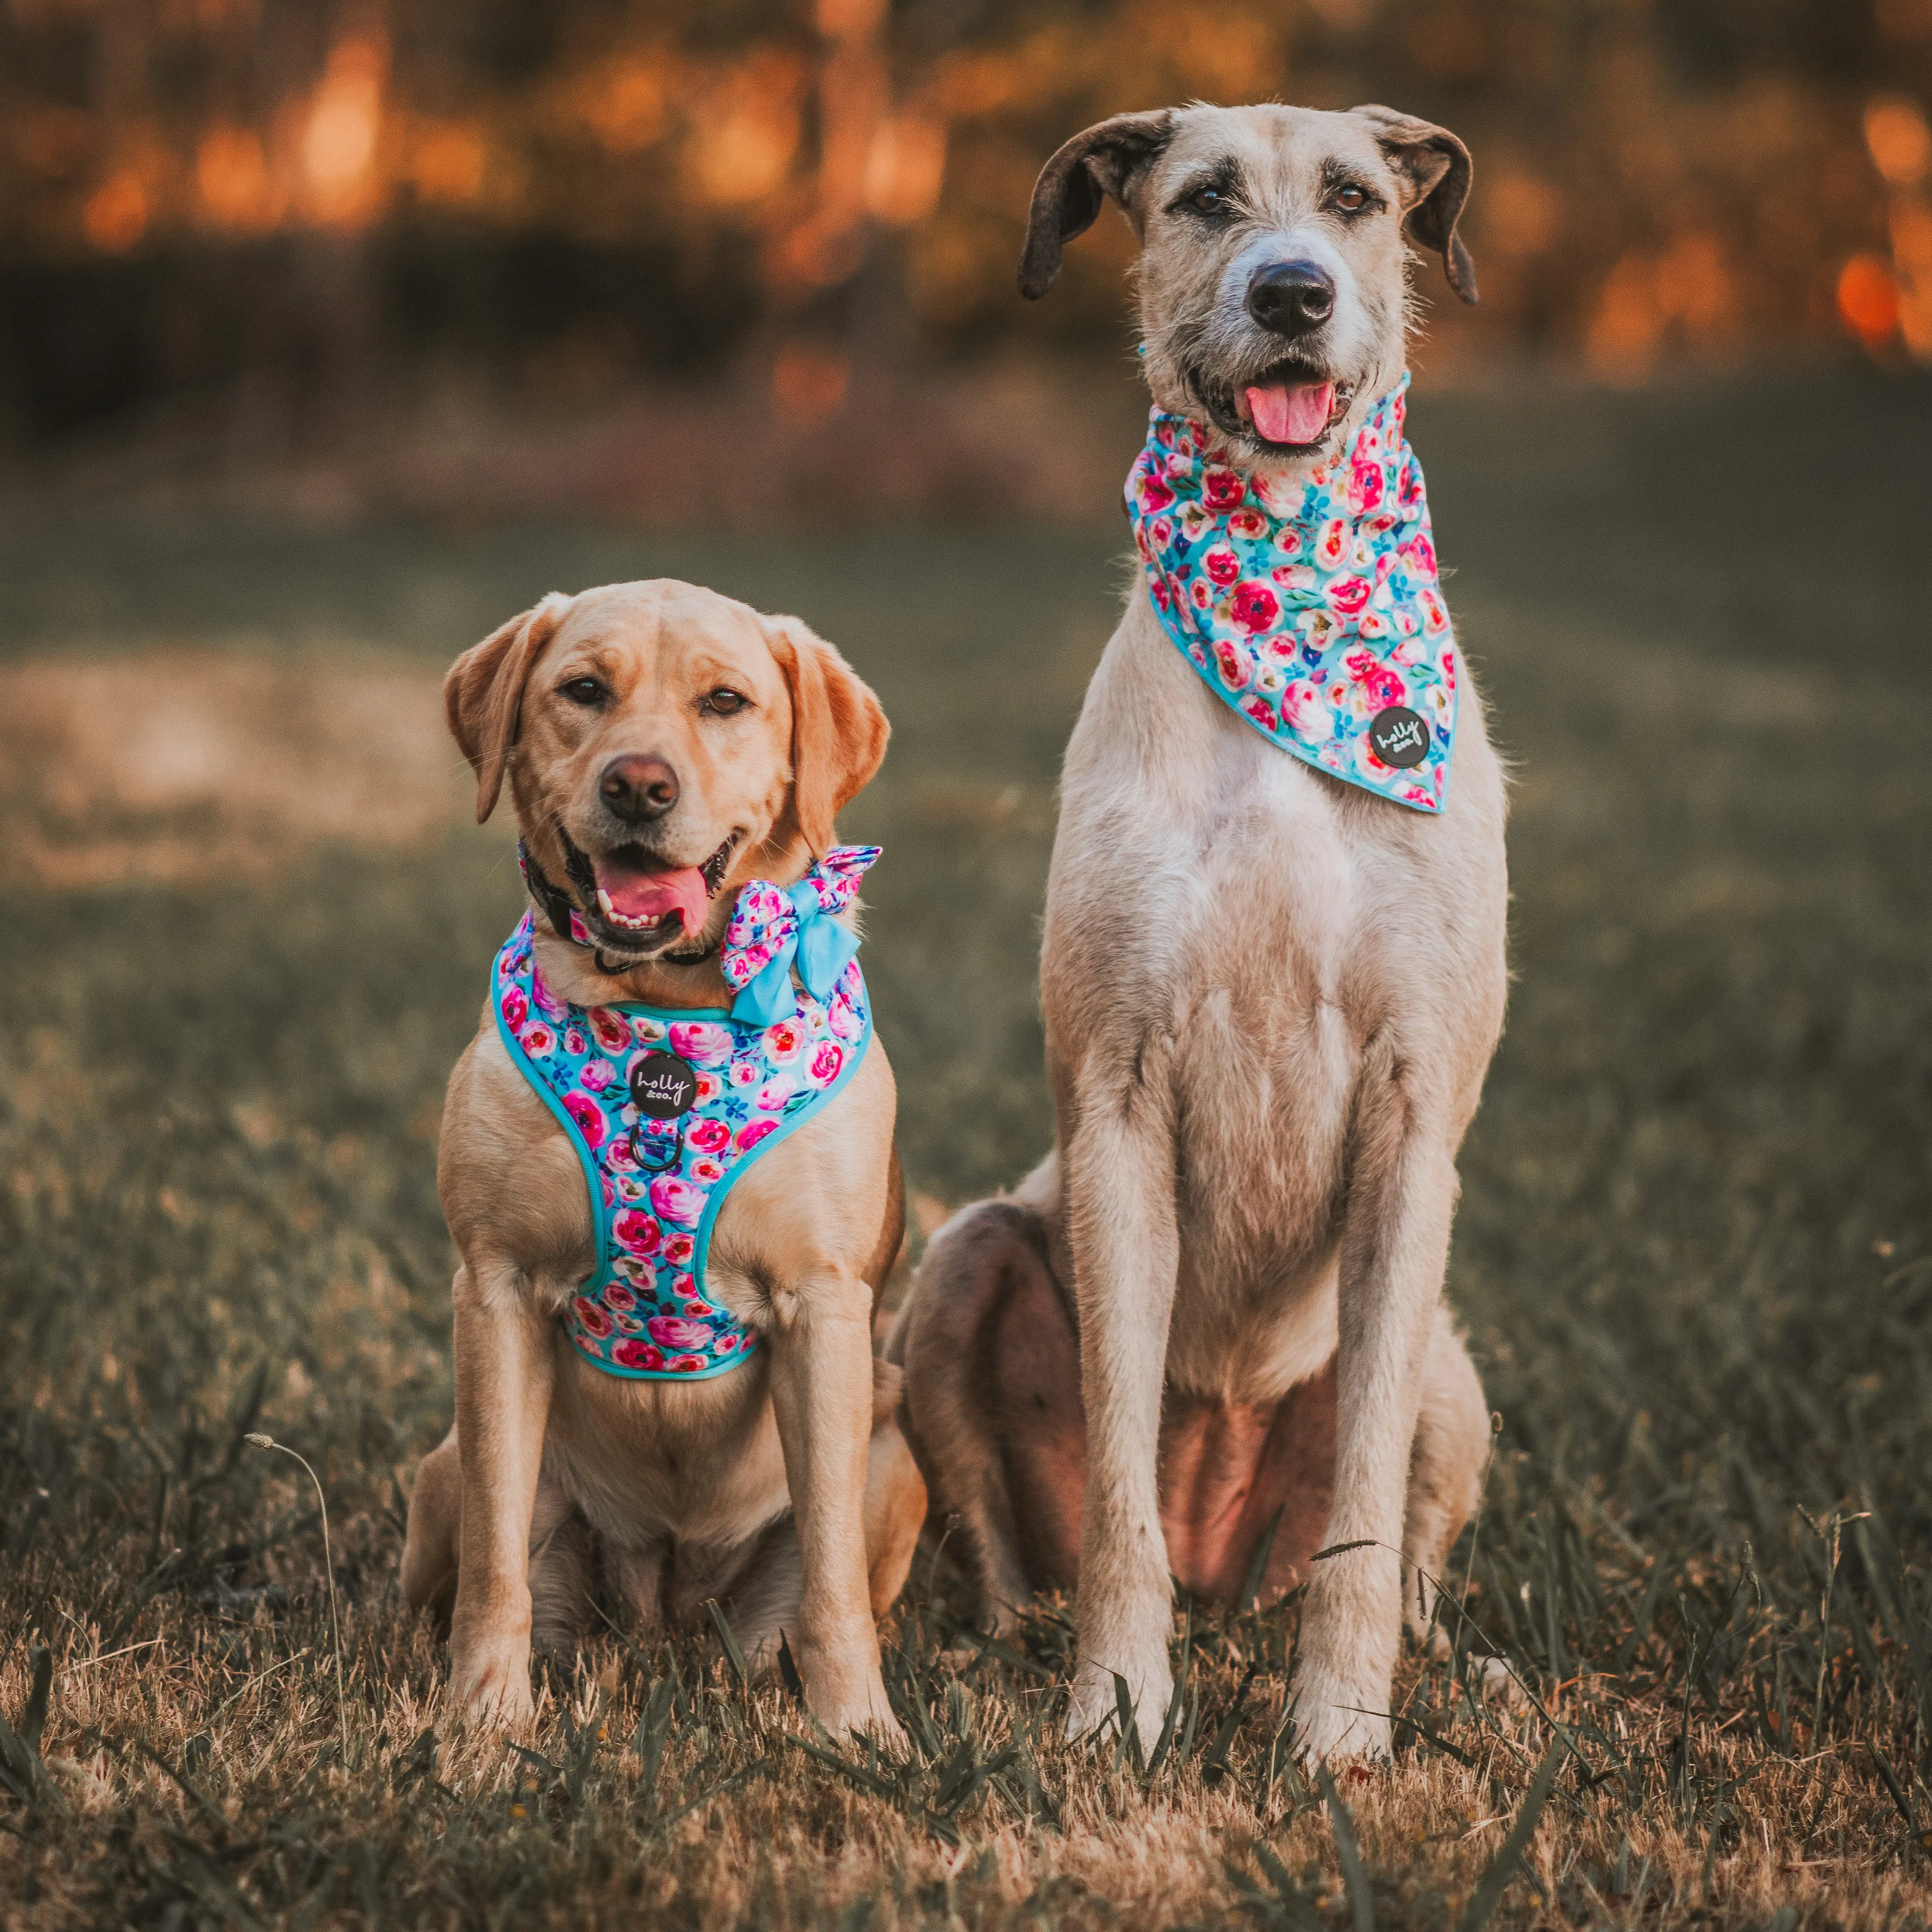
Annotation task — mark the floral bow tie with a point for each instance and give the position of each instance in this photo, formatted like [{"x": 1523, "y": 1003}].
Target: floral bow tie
[{"x": 775, "y": 927}]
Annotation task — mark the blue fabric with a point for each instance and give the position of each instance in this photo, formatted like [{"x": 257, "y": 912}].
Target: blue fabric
[
  {"x": 656, "y": 1187},
  {"x": 1311, "y": 609}
]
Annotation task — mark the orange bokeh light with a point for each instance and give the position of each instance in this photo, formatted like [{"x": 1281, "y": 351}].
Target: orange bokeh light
[{"x": 1868, "y": 300}]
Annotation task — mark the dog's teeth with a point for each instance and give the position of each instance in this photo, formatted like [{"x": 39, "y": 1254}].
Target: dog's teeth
[{"x": 604, "y": 900}]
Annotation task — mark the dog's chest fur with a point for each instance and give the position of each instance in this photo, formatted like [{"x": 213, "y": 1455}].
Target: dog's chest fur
[{"x": 1262, "y": 924}]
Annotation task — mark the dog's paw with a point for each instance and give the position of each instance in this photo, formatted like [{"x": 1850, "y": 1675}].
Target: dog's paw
[
  {"x": 1096, "y": 1706},
  {"x": 490, "y": 1685},
  {"x": 869, "y": 1715},
  {"x": 1334, "y": 1726}
]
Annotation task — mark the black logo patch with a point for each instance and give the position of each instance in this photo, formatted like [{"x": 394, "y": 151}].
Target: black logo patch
[
  {"x": 1400, "y": 738},
  {"x": 663, "y": 1086}
]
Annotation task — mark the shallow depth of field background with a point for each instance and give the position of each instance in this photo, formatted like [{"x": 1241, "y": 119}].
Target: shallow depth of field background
[{"x": 331, "y": 337}]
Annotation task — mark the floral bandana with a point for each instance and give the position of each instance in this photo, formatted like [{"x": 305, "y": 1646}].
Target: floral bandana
[
  {"x": 1312, "y": 608},
  {"x": 665, "y": 1109}
]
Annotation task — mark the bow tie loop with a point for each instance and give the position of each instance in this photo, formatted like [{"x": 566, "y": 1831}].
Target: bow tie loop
[{"x": 775, "y": 927}]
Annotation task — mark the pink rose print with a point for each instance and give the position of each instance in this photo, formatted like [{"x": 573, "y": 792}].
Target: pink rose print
[
  {"x": 637, "y": 1232},
  {"x": 1222, "y": 489},
  {"x": 1236, "y": 666},
  {"x": 673, "y": 1331},
  {"x": 709, "y": 1088},
  {"x": 1365, "y": 487},
  {"x": 753, "y": 1132},
  {"x": 687, "y": 1365},
  {"x": 1333, "y": 545},
  {"x": 705, "y": 1169},
  {"x": 708, "y": 1136},
  {"x": 1254, "y": 608},
  {"x": 589, "y": 1317},
  {"x": 1155, "y": 494},
  {"x": 574, "y": 1044},
  {"x": 677, "y": 1201},
  {"x": 776, "y": 1091},
  {"x": 1348, "y": 594},
  {"x": 1222, "y": 565},
  {"x": 744, "y": 1073},
  {"x": 589, "y": 1117},
  {"x": 618, "y": 1298},
  {"x": 679, "y": 1250},
  {"x": 637, "y": 1355},
  {"x": 613, "y": 1034},
  {"x": 1305, "y": 711},
  {"x": 1201, "y": 593},
  {"x": 1248, "y": 524},
  {"x": 548, "y": 1004},
  {"x": 782, "y": 1041},
  {"x": 1434, "y": 615},
  {"x": 1262, "y": 711},
  {"x": 596, "y": 1075},
  {"x": 1420, "y": 554},
  {"x": 827, "y": 1060},
  {"x": 703, "y": 1042},
  {"x": 538, "y": 1039},
  {"x": 685, "y": 1285},
  {"x": 1380, "y": 685},
  {"x": 516, "y": 1009}
]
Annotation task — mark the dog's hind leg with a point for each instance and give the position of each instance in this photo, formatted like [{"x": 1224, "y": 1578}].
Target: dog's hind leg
[
  {"x": 1445, "y": 1468},
  {"x": 983, "y": 1289},
  {"x": 436, "y": 1523}
]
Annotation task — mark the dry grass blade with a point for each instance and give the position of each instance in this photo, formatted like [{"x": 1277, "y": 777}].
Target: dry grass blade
[
  {"x": 1494, "y": 1882},
  {"x": 1349, "y": 1854}
]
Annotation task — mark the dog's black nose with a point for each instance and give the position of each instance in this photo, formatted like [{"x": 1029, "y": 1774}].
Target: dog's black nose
[
  {"x": 1291, "y": 298},
  {"x": 638, "y": 788}
]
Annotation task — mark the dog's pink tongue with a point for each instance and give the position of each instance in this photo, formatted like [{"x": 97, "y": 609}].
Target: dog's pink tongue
[
  {"x": 639, "y": 895},
  {"x": 1291, "y": 412}
]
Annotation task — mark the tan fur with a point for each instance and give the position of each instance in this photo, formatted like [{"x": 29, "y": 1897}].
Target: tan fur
[
  {"x": 1270, "y": 999},
  {"x": 782, "y": 1489}
]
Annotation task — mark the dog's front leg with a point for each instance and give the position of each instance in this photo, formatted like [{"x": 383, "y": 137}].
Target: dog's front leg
[
  {"x": 1395, "y": 1247},
  {"x": 821, "y": 1346},
  {"x": 503, "y": 1373},
  {"x": 1121, "y": 1227}
]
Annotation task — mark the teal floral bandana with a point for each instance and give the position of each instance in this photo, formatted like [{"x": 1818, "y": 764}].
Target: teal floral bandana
[
  {"x": 1311, "y": 608},
  {"x": 666, "y": 1108}
]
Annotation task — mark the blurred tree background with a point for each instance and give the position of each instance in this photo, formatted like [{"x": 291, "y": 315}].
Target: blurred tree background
[{"x": 271, "y": 218}]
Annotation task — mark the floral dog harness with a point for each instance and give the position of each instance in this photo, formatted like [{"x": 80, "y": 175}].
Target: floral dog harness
[
  {"x": 666, "y": 1108},
  {"x": 1312, "y": 609}
]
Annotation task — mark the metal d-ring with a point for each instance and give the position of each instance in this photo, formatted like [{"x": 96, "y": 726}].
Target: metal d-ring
[{"x": 651, "y": 1164}]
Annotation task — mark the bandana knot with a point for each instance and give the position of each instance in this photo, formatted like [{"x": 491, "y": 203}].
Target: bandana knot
[
  {"x": 1312, "y": 609},
  {"x": 774, "y": 928}
]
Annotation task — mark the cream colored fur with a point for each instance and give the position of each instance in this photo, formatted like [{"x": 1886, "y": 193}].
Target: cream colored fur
[{"x": 1270, "y": 999}]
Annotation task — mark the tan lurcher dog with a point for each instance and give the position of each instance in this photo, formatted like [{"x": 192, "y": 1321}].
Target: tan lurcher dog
[
  {"x": 645, "y": 728},
  {"x": 1271, "y": 998}
]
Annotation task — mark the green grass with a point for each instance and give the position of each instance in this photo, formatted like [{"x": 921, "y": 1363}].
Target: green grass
[{"x": 1694, "y": 1253}]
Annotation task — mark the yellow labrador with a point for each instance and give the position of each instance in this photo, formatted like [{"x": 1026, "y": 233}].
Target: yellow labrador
[
  {"x": 663, "y": 745},
  {"x": 1270, "y": 999}
]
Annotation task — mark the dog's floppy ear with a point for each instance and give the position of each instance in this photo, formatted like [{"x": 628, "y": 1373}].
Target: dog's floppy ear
[
  {"x": 1437, "y": 168},
  {"x": 483, "y": 693},
  {"x": 839, "y": 728},
  {"x": 1110, "y": 158}
]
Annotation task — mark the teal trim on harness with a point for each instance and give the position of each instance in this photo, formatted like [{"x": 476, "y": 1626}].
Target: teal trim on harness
[{"x": 644, "y": 1312}]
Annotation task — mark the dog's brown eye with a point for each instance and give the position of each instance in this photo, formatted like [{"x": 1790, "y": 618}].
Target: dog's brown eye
[
  {"x": 1209, "y": 201},
  {"x": 723, "y": 702},
  {"x": 1350, "y": 200},
  {"x": 582, "y": 691}
]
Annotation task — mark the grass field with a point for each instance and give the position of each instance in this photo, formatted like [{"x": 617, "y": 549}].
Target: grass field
[{"x": 1694, "y": 1251}]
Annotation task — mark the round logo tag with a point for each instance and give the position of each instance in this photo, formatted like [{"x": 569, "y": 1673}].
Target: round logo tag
[
  {"x": 663, "y": 1086},
  {"x": 1399, "y": 737}
]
